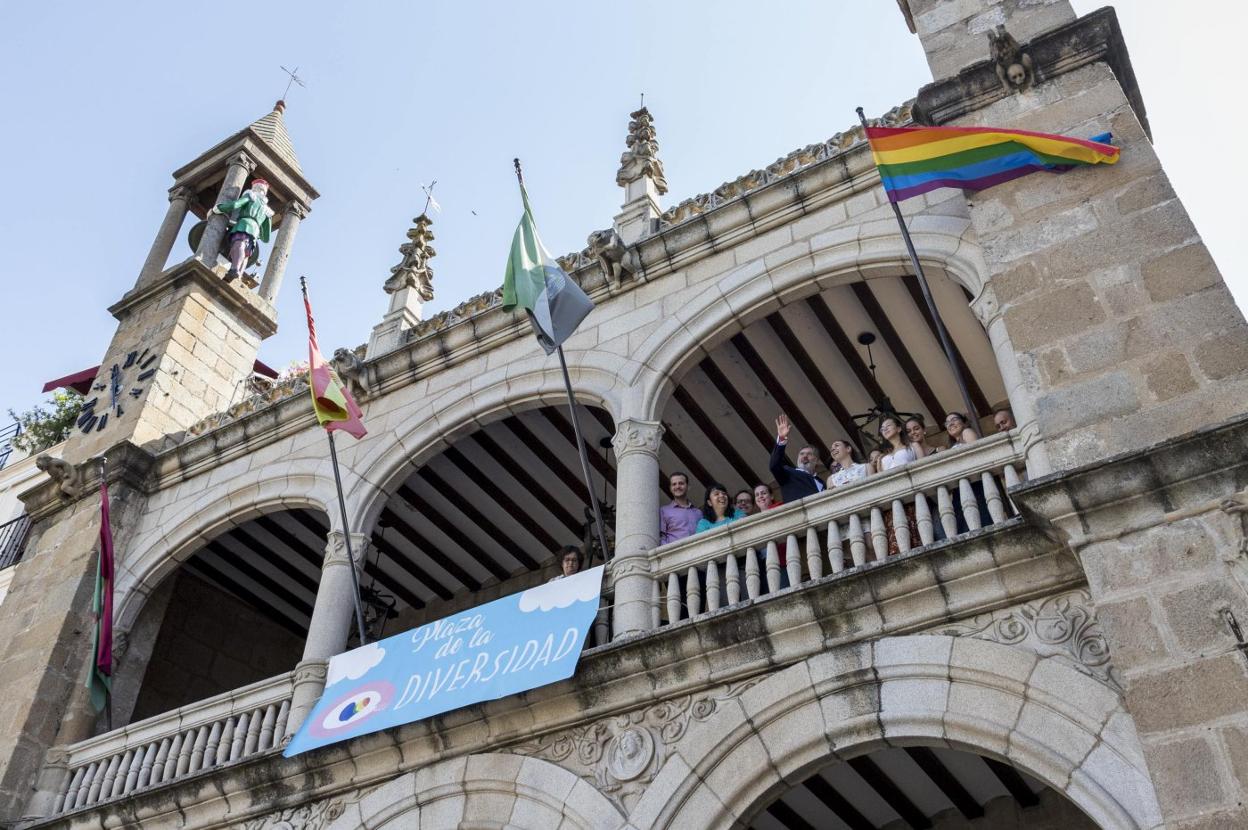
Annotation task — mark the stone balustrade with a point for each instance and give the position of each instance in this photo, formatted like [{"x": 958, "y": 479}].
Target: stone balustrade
[
  {"x": 204, "y": 735},
  {"x": 843, "y": 529}
]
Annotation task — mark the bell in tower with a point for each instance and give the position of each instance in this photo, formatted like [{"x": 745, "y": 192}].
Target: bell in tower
[{"x": 188, "y": 332}]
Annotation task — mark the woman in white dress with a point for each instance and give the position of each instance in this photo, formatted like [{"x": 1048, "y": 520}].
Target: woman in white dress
[
  {"x": 898, "y": 451},
  {"x": 848, "y": 469}
]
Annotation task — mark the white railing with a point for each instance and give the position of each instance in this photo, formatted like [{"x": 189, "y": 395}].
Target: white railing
[
  {"x": 936, "y": 498},
  {"x": 199, "y": 736}
]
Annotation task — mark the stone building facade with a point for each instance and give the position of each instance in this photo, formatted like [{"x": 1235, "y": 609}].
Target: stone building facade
[{"x": 1056, "y": 639}]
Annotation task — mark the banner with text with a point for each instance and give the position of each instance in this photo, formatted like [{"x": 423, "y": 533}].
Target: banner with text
[{"x": 510, "y": 645}]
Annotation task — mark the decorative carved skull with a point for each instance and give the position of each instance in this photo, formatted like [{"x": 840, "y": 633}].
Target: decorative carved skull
[{"x": 1017, "y": 74}]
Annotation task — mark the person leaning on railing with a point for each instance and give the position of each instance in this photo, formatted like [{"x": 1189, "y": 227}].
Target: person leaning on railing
[
  {"x": 795, "y": 482},
  {"x": 716, "y": 511},
  {"x": 897, "y": 452},
  {"x": 678, "y": 518},
  {"x": 848, "y": 469},
  {"x": 916, "y": 431}
]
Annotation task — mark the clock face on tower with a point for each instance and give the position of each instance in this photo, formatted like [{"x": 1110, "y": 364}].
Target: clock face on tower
[{"x": 123, "y": 382}]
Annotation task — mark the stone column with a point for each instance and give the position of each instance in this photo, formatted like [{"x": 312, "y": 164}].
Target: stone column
[
  {"x": 273, "y": 272},
  {"x": 636, "y": 522},
  {"x": 1022, "y": 399},
  {"x": 236, "y": 174},
  {"x": 330, "y": 625},
  {"x": 179, "y": 201}
]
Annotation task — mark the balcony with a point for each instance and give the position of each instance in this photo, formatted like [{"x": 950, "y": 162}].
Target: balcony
[
  {"x": 7, "y": 434},
  {"x": 840, "y": 530},
  {"x": 201, "y": 736},
  {"x": 13, "y": 540}
]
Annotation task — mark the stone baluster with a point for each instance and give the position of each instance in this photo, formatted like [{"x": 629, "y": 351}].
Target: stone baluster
[
  {"x": 923, "y": 518},
  {"x": 901, "y": 526},
  {"x": 266, "y": 728},
  {"x": 89, "y": 783},
  {"x": 1012, "y": 479},
  {"x": 271, "y": 282},
  {"x": 814, "y": 556},
  {"x": 773, "y": 568},
  {"x": 240, "y": 733},
  {"x": 636, "y": 445},
  {"x": 71, "y": 795},
  {"x": 283, "y": 717},
  {"x": 254, "y": 724},
  {"x": 879, "y": 535},
  {"x": 836, "y": 547},
  {"x": 693, "y": 592},
  {"x": 793, "y": 559},
  {"x": 331, "y": 624},
  {"x": 170, "y": 770},
  {"x": 236, "y": 174},
  {"x": 656, "y": 604},
  {"x": 673, "y": 599},
  {"x": 227, "y": 740},
  {"x": 712, "y": 586},
  {"x": 210, "y": 749},
  {"x": 197, "y": 750},
  {"x": 970, "y": 507},
  {"x": 184, "y": 754},
  {"x": 179, "y": 202},
  {"x": 944, "y": 506},
  {"x": 162, "y": 758},
  {"x": 732, "y": 578},
  {"x": 992, "y": 495},
  {"x": 857, "y": 542},
  {"x": 105, "y": 788},
  {"x": 132, "y": 773},
  {"x": 602, "y": 624},
  {"x": 753, "y": 586}
]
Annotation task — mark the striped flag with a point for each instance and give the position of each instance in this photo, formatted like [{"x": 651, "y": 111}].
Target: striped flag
[
  {"x": 335, "y": 408},
  {"x": 100, "y": 675},
  {"x": 534, "y": 281}
]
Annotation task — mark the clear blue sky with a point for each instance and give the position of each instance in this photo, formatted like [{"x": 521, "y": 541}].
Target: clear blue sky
[{"x": 102, "y": 103}]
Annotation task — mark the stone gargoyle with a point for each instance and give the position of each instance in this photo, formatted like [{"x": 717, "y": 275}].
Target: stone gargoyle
[
  {"x": 67, "y": 477},
  {"x": 615, "y": 258},
  {"x": 351, "y": 371},
  {"x": 1014, "y": 66}
]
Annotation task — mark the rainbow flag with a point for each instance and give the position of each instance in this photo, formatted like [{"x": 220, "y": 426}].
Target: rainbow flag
[{"x": 914, "y": 160}]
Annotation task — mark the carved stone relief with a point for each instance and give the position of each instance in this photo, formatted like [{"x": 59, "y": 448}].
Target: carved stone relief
[
  {"x": 621, "y": 755},
  {"x": 1062, "y": 626},
  {"x": 314, "y": 816}
]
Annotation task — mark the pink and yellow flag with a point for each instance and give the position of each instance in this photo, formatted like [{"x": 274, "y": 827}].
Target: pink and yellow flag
[
  {"x": 100, "y": 674},
  {"x": 335, "y": 408}
]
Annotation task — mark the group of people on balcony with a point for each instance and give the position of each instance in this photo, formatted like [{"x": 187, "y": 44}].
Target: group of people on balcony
[{"x": 902, "y": 441}]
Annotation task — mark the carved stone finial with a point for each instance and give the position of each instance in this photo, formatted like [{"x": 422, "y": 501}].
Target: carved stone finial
[
  {"x": 642, "y": 156},
  {"x": 1013, "y": 65},
  {"x": 414, "y": 271}
]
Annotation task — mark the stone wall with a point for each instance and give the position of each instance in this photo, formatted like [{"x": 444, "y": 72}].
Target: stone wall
[{"x": 209, "y": 643}]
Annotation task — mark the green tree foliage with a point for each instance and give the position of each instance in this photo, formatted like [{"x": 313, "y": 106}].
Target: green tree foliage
[{"x": 48, "y": 424}]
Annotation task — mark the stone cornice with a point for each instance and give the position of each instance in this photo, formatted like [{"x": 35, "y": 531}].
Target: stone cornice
[
  {"x": 1172, "y": 480},
  {"x": 994, "y": 569},
  {"x": 1093, "y": 38},
  {"x": 251, "y": 309},
  {"x": 128, "y": 464}
]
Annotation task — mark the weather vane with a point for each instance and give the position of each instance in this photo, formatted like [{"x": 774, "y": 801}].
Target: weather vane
[
  {"x": 430, "y": 202},
  {"x": 294, "y": 79}
]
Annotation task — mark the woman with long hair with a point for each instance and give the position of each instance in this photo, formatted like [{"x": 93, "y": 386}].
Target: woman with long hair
[
  {"x": 717, "y": 509},
  {"x": 898, "y": 450},
  {"x": 960, "y": 430},
  {"x": 848, "y": 469}
]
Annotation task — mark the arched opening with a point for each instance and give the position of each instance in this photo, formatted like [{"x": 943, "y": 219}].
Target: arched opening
[
  {"x": 485, "y": 516},
  {"x": 235, "y": 612},
  {"x": 806, "y": 359},
  {"x": 920, "y": 788}
]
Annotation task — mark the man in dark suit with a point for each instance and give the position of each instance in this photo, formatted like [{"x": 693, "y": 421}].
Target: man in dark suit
[{"x": 795, "y": 482}]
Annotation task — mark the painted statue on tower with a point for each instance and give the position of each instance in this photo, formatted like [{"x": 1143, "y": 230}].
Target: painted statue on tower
[{"x": 250, "y": 217}]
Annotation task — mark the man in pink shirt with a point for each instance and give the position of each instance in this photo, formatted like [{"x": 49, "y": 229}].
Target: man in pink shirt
[{"x": 678, "y": 518}]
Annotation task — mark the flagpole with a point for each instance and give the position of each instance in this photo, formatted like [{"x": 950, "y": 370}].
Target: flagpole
[
  {"x": 576, "y": 430},
  {"x": 943, "y": 335},
  {"x": 346, "y": 535},
  {"x": 342, "y": 505},
  {"x": 108, "y": 690}
]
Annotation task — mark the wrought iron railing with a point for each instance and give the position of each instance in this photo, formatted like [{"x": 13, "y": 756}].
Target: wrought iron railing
[
  {"x": 7, "y": 434},
  {"x": 13, "y": 540}
]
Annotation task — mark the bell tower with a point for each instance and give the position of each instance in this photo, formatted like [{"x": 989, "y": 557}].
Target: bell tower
[{"x": 186, "y": 337}]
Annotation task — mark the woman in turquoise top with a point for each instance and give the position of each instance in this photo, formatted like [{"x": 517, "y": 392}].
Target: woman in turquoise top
[{"x": 716, "y": 511}]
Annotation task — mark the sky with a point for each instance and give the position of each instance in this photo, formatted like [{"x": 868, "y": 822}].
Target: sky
[{"x": 102, "y": 107}]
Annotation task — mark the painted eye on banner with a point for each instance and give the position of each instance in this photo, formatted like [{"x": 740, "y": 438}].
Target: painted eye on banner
[{"x": 356, "y": 705}]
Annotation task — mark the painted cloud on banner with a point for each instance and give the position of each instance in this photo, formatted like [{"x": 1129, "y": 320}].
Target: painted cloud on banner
[
  {"x": 561, "y": 593},
  {"x": 353, "y": 664}
]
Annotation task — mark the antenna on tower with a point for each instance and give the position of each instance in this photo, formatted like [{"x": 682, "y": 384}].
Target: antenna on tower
[{"x": 294, "y": 79}]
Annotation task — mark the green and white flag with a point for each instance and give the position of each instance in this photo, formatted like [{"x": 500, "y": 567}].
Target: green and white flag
[{"x": 555, "y": 303}]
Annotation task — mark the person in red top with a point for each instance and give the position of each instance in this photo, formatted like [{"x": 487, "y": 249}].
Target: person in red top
[{"x": 763, "y": 501}]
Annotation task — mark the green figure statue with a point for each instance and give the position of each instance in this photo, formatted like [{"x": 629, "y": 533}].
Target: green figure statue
[{"x": 250, "y": 217}]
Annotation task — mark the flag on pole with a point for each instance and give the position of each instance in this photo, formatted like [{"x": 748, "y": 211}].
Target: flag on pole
[
  {"x": 914, "y": 160},
  {"x": 534, "y": 281},
  {"x": 335, "y": 408},
  {"x": 100, "y": 675}
]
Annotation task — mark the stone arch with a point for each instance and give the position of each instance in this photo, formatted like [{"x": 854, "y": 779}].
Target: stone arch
[
  {"x": 751, "y": 291},
  {"x": 464, "y": 409},
  {"x": 488, "y": 790},
  {"x": 1063, "y": 727}
]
